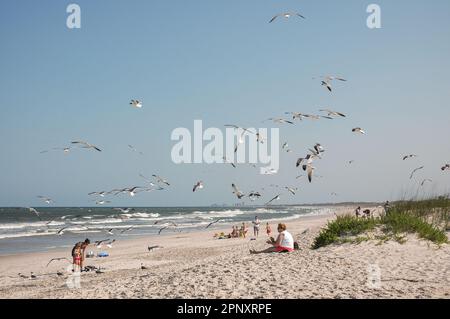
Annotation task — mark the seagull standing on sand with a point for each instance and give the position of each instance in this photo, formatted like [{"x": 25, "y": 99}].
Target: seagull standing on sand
[
  {"x": 136, "y": 103},
  {"x": 414, "y": 171},
  {"x": 286, "y": 15},
  {"x": 87, "y": 145},
  {"x": 198, "y": 185}
]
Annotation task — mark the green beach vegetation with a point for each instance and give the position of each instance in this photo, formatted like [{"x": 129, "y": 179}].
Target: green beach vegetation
[{"x": 429, "y": 219}]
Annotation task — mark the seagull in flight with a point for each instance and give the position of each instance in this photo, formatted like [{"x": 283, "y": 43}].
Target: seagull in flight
[
  {"x": 280, "y": 121},
  {"x": 333, "y": 113},
  {"x": 124, "y": 210},
  {"x": 237, "y": 192},
  {"x": 426, "y": 180},
  {"x": 291, "y": 190},
  {"x": 214, "y": 222},
  {"x": 66, "y": 150},
  {"x": 46, "y": 199},
  {"x": 310, "y": 170},
  {"x": 102, "y": 202},
  {"x": 286, "y": 15},
  {"x": 409, "y": 156},
  {"x": 198, "y": 185},
  {"x": 134, "y": 149},
  {"x": 136, "y": 103},
  {"x": 415, "y": 170},
  {"x": 87, "y": 145},
  {"x": 58, "y": 259},
  {"x": 297, "y": 115},
  {"x": 358, "y": 130},
  {"x": 110, "y": 244},
  {"x": 127, "y": 229},
  {"x": 101, "y": 194},
  {"x": 446, "y": 167},
  {"x": 34, "y": 211},
  {"x": 328, "y": 79},
  {"x": 228, "y": 162},
  {"x": 254, "y": 195},
  {"x": 161, "y": 180},
  {"x": 273, "y": 199},
  {"x": 61, "y": 231}
]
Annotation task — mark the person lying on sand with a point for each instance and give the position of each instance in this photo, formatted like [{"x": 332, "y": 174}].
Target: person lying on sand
[{"x": 283, "y": 243}]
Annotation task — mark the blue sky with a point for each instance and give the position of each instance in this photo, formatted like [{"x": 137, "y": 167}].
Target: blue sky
[{"x": 220, "y": 61}]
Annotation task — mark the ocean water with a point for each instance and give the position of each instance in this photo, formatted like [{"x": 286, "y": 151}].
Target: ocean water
[{"x": 22, "y": 231}]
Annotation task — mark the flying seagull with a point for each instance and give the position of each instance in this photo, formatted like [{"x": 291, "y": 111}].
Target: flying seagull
[
  {"x": 426, "y": 180},
  {"x": 310, "y": 170},
  {"x": 101, "y": 194},
  {"x": 64, "y": 149},
  {"x": 358, "y": 130},
  {"x": 87, "y": 145},
  {"x": 128, "y": 229},
  {"x": 414, "y": 171},
  {"x": 273, "y": 199},
  {"x": 136, "y": 103},
  {"x": 159, "y": 179},
  {"x": 254, "y": 195},
  {"x": 58, "y": 259},
  {"x": 286, "y": 15},
  {"x": 34, "y": 211},
  {"x": 280, "y": 121},
  {"x": 333, "y": 113},
  {"x": 102, "y": 202},
  {"x": 134, "y": 149},
  {"x": 237, "y": 192},
  {"x": 214, "y": 222},
  {"x": 228, "y": 162},
  {"x": 291, "y": 190},
  {"x": 46, "y": 199},
  {"x": 198, "y": 185},
  {"x": 446, "y": 167},
  {"x": 61, "y": 231},
  {"x": 409, "y": 156}
]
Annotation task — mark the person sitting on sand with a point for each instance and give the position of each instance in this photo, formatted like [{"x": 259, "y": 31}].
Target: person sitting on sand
[
  {"x": 283, "y": 243},
  {"x": 78, "y": 253},
  {"x": 256, "y": 224},
  {"x": 358, "y": 211},
  {"x": 268, "y": 229}
]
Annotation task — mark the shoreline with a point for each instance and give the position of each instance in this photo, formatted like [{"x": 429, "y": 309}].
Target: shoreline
[{"x": 195, "y": 265}]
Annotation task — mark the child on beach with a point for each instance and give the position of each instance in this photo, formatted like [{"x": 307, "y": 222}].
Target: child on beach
[
  {"x": 244, "y": 230},
  {"x": 76, "y": 254},
  {"x": 268, "y": 229}
]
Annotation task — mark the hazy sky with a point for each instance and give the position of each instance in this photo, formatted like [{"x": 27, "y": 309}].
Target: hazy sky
[{"x": 222, "y": 62}]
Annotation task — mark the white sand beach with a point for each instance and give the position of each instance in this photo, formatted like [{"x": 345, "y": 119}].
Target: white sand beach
[{"x": 195, "y": 265}]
